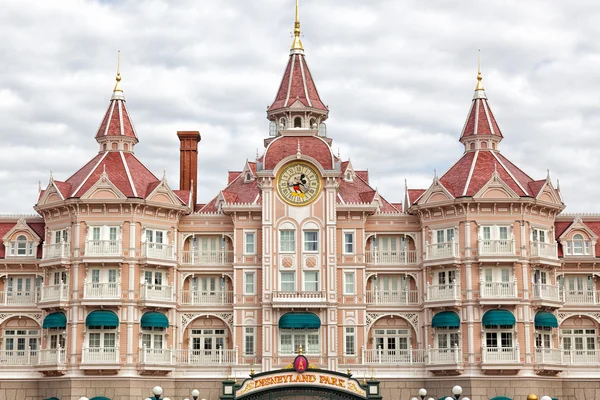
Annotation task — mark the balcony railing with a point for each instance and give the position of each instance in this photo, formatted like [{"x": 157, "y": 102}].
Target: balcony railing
[
  {"x": 18, "y": 297},
  {"x": 393, "y": 297},
  {"x": 449, "y": 291},
  {"x": 18, "y": 357},
  {"x": 102, "y": 290},
  {"x": 206, "y": 257},
  {"x": 300, "y": 296},
  {"x": 405, "y": 356},
  {"x": 156, "y": 356},
  {"x": 156, "y": 292},
  {"x": 498, "y": 289},
  {"x": 489, "y": 247},
  {"x": 451, "y": 355},
  {"x": 103, "y": 248},
  {"x": 581, "y": 297},
  {"x": 158, "y": 250},
  {"x": 581, "y": 357},
  {"x": 205, "y": 297},
  {"x": 546, "y": 250},
  {"x": 500, "y": 355},
  {"x": 207, "y": 357},
  {"x": 577, "y": 247},
  {"x": 441, "y": 250},
  {"x": 55, "y": 292},
  {"x": 391, "y": 257},
  {"x": 100, "y": 355},
  {"x": 52, "y": 356},
  {"x": 547, "y": 292},
  {"x": 57, "y": 250},
  {"x": 548, "y": 356}
]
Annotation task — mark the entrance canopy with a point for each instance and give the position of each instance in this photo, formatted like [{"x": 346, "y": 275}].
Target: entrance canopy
[{"x": 299, "y": 321}]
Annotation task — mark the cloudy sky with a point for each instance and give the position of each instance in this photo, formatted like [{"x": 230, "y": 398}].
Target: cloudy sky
[{"x": 398, "y": 76}]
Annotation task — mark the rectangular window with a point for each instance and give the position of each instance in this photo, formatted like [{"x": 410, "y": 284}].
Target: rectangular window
[
  {"x": 249, "y": 342},
  {"x": 503, "y": 232},
  {"x": 286, "y": 344},
  {"x": 350, "y": 342},
  {"x": 349, "y": 283},
  {"x": 249, "y": 243},
  {"x": 348, "y": 242},
  {"x": 112, "y": 233},
  {"x": 311, "y": 281},
  {"x": 249, "y": 283},
  {"x": 288, "y": 282},
  {"x": 311, "y": 241},
  {"x": 96, "y": 233},
  {"x": 287, "y": 241}
]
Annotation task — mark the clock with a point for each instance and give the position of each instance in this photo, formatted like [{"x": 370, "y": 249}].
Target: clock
[{"x": 298, "y": 183}]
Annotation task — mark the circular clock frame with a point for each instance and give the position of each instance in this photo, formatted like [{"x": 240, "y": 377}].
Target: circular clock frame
[{"x": 298, "y": 183}]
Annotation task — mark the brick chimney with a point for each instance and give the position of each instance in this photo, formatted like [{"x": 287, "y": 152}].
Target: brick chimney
[{"x": 188, "y": 162}]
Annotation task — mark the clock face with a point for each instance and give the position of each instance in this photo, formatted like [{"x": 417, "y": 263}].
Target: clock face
[{"x": 298, "y": 184}]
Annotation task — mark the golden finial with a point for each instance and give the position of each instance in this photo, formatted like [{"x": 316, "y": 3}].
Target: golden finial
[
  {"x": 300, "y": 350},
  {"x": 118, "y": 78},
  {"x": 479, "y": 77},
  {"x": 297, "y": 43}
]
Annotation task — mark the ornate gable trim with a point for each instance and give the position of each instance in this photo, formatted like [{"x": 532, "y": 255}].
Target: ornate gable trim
[
  {"x": 578, "y": 224},
  {"x": 104, "y": 184},
  {"x": 50, "y": 190},
  {"x": 163, "y": 190},
  {"x": 21, "y": 226},
  {"x": 496, "y": 183},
  {"x": 548, "y": 189},
  {"x": 436, "y": 188}
]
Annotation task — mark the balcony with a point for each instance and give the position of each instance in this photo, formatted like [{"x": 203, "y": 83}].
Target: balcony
[
  {"x": 497, "y": 247},
  {"x": 586, "y": 297},
  {"x": 206, "y": 257},
  {"x": 393, "y": 297},
  {"x": 52, "y": 361},
  {"x": 547, "y": 295},
  {"x": 158, "y": 251},
  {"x": 498, "y": 292},
  {"x": 582, "y": 357},
  {"x": 56, "y": 251},
  {"x": 206, "y": 298},
  {"x": 578, "y": 248},
  {"x": 500, "y": 357},
  {"x": 19, "y": 298},
  {"x": 103, "y": 248},
  {"x": 153, "y": 360},
  {"x": 54, "y": 295},
  {"x": 156, "y": 295},
  {"x": 549, "y": 361},
  {"x": 541, "y": 250},
  {"x": 201, "y": 358},
  {"x": 100, "y": 358},
  {"x": 385, "y": 257},
  {"x": 300, "y": 299},
  {"x": 15, "y": 358},
  {"x": 439, "y": 251},
  {"x": 445, "y": 361},
  {"x": 101, "y": 293},
  {"x": 443, "y": 295},
  {"x": 394, "y": 357}
]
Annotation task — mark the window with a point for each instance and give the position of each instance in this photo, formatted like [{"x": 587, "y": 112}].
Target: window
[
  {"x": 348, "y": 242},
  {"x": 539, "y": 235},
  {"x": 349, "y": 341},
  {"x": 311, "y": 241},
  {"x": 282, "y": 123},
  {"x": 273, "y": 128},
  {"x": 311, "y": 281},
  {"x": 22, "y": 247},
  {"x": 155, "y": 236},
  {"x": 446, "y": 279},
  {"x": 288, "y": 282},
  {"x": 290, "y": 341},
  {"x": 61, "y": 235},
  {"x": 322, "y": 130},
  {"x": 297, "y": 122},
  {"x": 207, "y": 345},
  {"x": 102, "y": 282},
  {"x": 59, "y": 277},
  {"x": 494, "y": 232},
  {"x": 392, "y": 344},
  {"x": 578, "y": 246},
  {"x": 287, "y": 241},
  {"x": 249, "y": 242},
  {"x": 446, "y": 338},
  {"x": 249, "y": 283},
  {"x": 19, "y": 343},
  {"x": 56, "y": 340},
  {"x": 444, "y": 235},
  {"x": 497, "y": 339},
  {"x": 579, "y": 343},
  {"x": 153, "y": 279},
  {"x": 543, "y": 337},
  {"x": 349, "y": 283},
  {"x": 153, "y": 339},
  {"x": 249, "y": 341}
]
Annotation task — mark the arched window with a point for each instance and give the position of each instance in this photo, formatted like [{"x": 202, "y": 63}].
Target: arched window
[
  {"x": 322, "y": 130},
  {"x": 483, "y": 145},
  {"x": 472, "y": 146},
  {"x": 494, "y": 146},
  {"x": 313, "y": 123},
  {"x": 126, "y": 147},
  {"x": 298, "y": 122},
  {"x": 282, "y": 123},
  {"x": 499, "y": 342},
  {"x": 104, "y": 147},
  {"x": 21, "y": 245},
  {"x": 248, "y": 177},
  {"x": 578, "y": 245},
  {"x": 272, "y": 128}
]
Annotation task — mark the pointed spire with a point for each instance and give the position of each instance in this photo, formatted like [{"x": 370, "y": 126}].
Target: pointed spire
[
  {"x": 297, "y": 43},
  {"x": 479, "y": 76},
  {"x": 117, "y": 91}
]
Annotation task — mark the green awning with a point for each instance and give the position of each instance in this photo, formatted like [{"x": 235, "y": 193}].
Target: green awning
[
  {"x": 446, "y": 319},
  {"x": 154, "y": 319},
  {"x": 55, "y": 320},
  {"x": 544, "y": 319},
  {"x": 99, "y": 398},
  {"x": 501, "y": 398},
  {"x": 104, "y": 318},
  {"x": 52, "y": 398},
  {"x": 299, "y": 321},
  {"x": 498, "y": 317}
]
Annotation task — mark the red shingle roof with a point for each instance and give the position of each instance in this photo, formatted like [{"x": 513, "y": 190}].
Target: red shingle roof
[
  {"x": 297, "y": 84},
  {"x": 116, "y": 121},
  {"x": 312, "y": 146},
  {"x": 480, "y": 120}
]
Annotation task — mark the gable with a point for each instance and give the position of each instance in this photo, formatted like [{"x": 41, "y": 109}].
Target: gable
[
  {"x": 578, "y": 226},
  {"x": 496, "y": 188},
  {"x": 103, "y": 189},
  {"x": 50, "y": 195},
  {"x": 436, "y": 193},
  {"x": 21, "y": 228},
  {"x": 548, "y": 194},
  {"x": 163, "y": 194}
]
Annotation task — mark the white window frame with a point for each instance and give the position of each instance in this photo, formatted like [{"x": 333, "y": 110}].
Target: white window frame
[
  {"x": 537, "y": 232},
  {"x": 352, "y": 234},
  {"x": 249, "y": 334},
  {"x": 350, "y": 333},
  {"x": 447, "y": 234},
  {"x": 293, "y": 242},
  {"x": 300, "y": 337},
  {"x": 59, "y": 236},
  {"x": 316, "y": 281},
  {"x": 153, "y": 233},
  {"x": 304, "y": 241},
  {"x": 246, "y": 242},
  {"x": 346, "y": 275},
  {"x": 294, "y": 281},
  {"x": 248, "y": 274},
  {"x": 152, "y": 333}
]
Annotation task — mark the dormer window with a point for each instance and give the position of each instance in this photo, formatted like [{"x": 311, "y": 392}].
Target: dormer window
[
  {"x": 21, "y": 247},
  {"x": 297, "y": 122},
  {"x": 282, "y": 123}
]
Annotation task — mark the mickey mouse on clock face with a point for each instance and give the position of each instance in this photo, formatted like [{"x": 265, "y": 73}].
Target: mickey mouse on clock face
[{"x": 299, "y": 186}]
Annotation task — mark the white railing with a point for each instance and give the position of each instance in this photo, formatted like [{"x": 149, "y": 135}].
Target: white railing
[
  {"x": 441, "y": 250},
  {"x": 100, "y": 355},
  {"x": 57, "y": 250},
  {"x": 500, "y": 355},
  {"x": 450, "y": 291},
  {"x": 207, "y": 357},
  {"x": 548, "y": 356},
  {"x": 489, "y": 247},
  {"x": 205, "y": 297},
  {"x": 18, "y": 357},
  {"x": 103, "y": 248},
  {"x": 158, "y": 250},
  {"x": 393, "y": 297},
  {"x": 156, "y": 292},
  {"x": 155, "y": 356},
  {"x": 406, "y": 356},
  {"x": 52, "y": 356},
  {"x": 451, "y": 355},
  {"x": 581, "y": 297},
  {"x": 547, "y": 292},
  {"x": 498, "y": 289},
  {"x": 55, "y": 292},
  {"x": 391, "y": 257},
  {"x": 582, "y": 357},
  {"x": 541, "y": 249},
  {"x": 577, "y": 247},
  {"x": 302, "y": 296},
  {"x": 102, "y": 290},
  {"x": 206, "y": 257},
  {"x": 18, "y": 298}
]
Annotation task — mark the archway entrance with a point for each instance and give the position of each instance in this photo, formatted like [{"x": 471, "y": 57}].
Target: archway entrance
[{"x": 301, "y": 394}]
